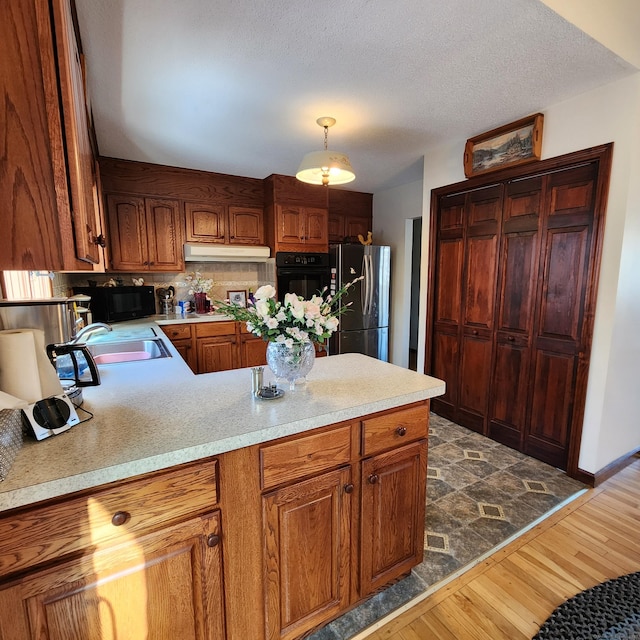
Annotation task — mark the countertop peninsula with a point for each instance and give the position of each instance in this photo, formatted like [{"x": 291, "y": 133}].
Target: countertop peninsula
[{"x": 154, "y": 414}]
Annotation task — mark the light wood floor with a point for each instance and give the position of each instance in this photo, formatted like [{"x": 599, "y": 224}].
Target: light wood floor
[{"x": 508, "y": 596}]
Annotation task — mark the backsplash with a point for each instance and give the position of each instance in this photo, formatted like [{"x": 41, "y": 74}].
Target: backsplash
[{"x": 226, "y": 276}]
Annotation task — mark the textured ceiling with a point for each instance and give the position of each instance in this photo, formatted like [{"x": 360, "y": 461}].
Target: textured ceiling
[{"x": 235, "y": 87}]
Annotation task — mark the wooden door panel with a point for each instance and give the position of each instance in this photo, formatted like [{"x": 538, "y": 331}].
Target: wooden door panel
[
  {"x": 445, "y": 367},
  {"x": 205, "y": 222},
  {"x": 519, "y": 266},
  {"x": 254, "y": 352},
  {"x": 289, "y": 223},
  {"x": 551, "y": 406},
  {"x": 393, "y": 503},
  {"x": 564, "y": 285},
  {"x": 484, "y": 206},
  {"x": 448, "y": 281},
  {"x": 357, "y": 226},
  {"x": 246, "y": 225},
  {"x": 217, "y": 354},
  {"x": 316, "y": 224},
  {"x": 451, "y": 213},
  {"x": 127, "y": 232},
  {"x": 475, "y": 369},
  {"x": 167, "y": 584},
  {"x": 572, "y": 191},
  {"x": 164, "y": 229},
  {"x": 336, "y": 227},
  {"x": 307, "y": 553},
  {"x": 509, "y": 387},
  {"x": 522, "y": 204},
  {"x": 480, "y": 287}
]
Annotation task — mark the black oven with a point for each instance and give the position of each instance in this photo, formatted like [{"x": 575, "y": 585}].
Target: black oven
[{"x": 302, "y": 273}]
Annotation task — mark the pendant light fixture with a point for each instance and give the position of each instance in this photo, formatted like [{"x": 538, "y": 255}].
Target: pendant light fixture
[{"x": 325, "y": 167}]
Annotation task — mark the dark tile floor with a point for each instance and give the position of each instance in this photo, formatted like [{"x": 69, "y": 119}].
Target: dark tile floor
[{"x": 479, "y": 494}]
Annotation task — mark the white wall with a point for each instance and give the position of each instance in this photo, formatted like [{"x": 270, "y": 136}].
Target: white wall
[{"x": 608, "y": 114}]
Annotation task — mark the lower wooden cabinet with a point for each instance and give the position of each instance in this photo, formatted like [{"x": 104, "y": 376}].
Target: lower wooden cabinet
[
  {"x": 307, "y": 553},
  {"x": 167, "y": 584},
  {"x": 216, "y": 346}
]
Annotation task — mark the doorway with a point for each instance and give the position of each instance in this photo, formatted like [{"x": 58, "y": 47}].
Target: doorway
[{"x": 416, "y": 256}]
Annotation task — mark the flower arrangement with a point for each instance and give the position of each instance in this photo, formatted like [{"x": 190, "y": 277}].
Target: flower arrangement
[
  {"x": 196, "y": 283},
  {"x": 292, "y": 321}
]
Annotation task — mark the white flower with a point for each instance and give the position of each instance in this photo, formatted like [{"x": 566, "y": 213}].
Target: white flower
[
  {"x": 331, "y": 324},
  {"x": 262, "y": 308},
  {"x": 265, "y": 292},
  {"x": 271, "y": 323}
]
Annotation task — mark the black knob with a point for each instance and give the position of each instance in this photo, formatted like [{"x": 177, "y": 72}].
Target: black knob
[
  {"x": 373, "y": 478},
  {"x": 348, "y": 488},
  {"x": 213, "y": 540},
  {"x": 401, "y": 431}
]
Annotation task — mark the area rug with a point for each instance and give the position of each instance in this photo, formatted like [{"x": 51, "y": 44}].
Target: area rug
[
  {"x": 480, "y": 495},
  {"x": 608, "y": 611}
]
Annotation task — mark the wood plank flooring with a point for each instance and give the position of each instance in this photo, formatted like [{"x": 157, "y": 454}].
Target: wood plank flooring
[{"x": 511, "y": 593}]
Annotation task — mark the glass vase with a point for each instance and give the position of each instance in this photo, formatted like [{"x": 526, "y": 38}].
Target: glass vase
[{"x": 291, "y": 363}]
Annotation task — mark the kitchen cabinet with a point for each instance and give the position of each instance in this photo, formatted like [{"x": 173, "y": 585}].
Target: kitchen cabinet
[
  {"x": 513, "y": 280},
  {"x": 139, "y": 559},
  {"x": 346, "y": 516},
  {"x": 350, "y": 215},
  {"x": 217, "y": 346},
  {"x": 296, "y": 213},
  {"x": 145, "y": 234},
  {"x": 301, "y": 228},
  {"x": 222, "y": 224},
  {"x": 48, "y": 181}
]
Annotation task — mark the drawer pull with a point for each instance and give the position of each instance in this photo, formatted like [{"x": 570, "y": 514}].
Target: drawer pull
[
  {"x": 373, "y": 478},
  {"x": 213, "y": 540},
  {"x": 510, "y": 338},
  {"x": 119, "y": 518},
  {"x": 348, "y": 488},
  {"x": 401, "y": 431}
]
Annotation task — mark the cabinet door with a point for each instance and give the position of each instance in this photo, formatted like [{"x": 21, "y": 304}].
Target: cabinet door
[
  {"x": 76, "y": 131},
  {"x": 316, "y": 228},
  {"x": 164, "y": 235},
  {"x": 205, "y": 222},
  {"x": 392, "y": 522},
  {"x": 246, "y": 225},
  {"x": 307, "y": 553},
  {"x": 217, "y": 354},
  {"x": 355, "y": 226},
  {"x": 253, "y": 352},
  {"x": 289, "y": 224},
  {"x": 186, "y": 351},
  {"x": 127, "y": 233},
  {"x": 167, "y": 584},
  {"x": 336, "y": 228}
]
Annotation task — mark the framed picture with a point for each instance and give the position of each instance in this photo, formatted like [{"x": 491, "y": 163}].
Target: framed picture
[
  {"x": 238, "y": 298},
  {"x": 507, "y": 146}
]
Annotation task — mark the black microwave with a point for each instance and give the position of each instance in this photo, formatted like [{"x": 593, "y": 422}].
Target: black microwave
[{"x": 115, "y": 304}]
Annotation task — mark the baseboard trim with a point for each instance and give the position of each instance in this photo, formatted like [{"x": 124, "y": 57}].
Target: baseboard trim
[{"x": 617, "y": 465}]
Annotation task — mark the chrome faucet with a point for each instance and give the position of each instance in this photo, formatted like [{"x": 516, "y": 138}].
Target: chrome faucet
[{"x": 89, "y": 329}]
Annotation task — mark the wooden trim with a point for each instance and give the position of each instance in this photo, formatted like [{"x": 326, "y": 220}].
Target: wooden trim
[{"x": 617, "y": 465}]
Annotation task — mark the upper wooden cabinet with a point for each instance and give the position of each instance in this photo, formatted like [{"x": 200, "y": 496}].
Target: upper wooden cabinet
[
  {"x": 48, "y": 182},
  {"x": 297, "y": 216},
  {"x": 145, "y": 234},
  {"x": 350, "y": 215},
  {"x": 221, "y": 224}
]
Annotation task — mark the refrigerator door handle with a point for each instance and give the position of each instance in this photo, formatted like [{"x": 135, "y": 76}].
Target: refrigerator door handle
[
  {"x": 370, "y": 288},
  {"x": 364, "y": 292}
]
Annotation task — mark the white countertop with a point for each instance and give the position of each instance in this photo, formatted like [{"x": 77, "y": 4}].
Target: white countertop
[{"x": 153, "y": 414}]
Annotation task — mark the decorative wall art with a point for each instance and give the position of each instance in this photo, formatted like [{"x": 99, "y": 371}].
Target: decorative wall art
[
  {"x": 507, "y": 146},
  {"x": 239, "y": 298}
]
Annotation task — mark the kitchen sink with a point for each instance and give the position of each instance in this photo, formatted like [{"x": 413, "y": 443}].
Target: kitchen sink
[{"x": 128, "y": 351}]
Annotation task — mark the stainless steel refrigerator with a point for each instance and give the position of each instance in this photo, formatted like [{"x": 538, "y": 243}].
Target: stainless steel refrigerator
[{"x": 364, "y": 328}]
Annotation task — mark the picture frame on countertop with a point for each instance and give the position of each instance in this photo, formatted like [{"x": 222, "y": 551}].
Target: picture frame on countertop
[
  {"x": 513, "y": 144},
  {"x": 238, "y": 298}
]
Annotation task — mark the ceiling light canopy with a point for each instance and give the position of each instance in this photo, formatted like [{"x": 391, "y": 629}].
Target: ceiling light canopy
[{"x": 326, "y": 167}]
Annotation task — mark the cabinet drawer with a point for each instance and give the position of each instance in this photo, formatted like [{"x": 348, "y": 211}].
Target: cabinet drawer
[
  {"x": 394, "y": 429},
  {"x": 177, "y": 331},
  {"x": 119, "y": 512},
  {"x": 211, "y": 329},
  {"x": 304, "y": 456}
]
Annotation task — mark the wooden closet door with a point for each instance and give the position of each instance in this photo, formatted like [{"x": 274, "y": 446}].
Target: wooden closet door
[
  {"x": 567, "y": 270},
  {"x": 516, "y": 297},
  {"x": 483, "y": 214}
]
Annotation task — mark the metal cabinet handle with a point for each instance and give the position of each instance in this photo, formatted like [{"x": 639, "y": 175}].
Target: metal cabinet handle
[
  {"x": 213, "y": 540},
  {"x": 119, "y": 518},
  {"x": 348, "y": 488},
  {"x": 510, "y": 338},
  {"x": 401, "y": 431},
  {"x": 373, "y": 478}
]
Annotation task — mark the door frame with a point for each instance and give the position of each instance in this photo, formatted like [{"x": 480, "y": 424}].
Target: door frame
[{"x": 602, "y": 154}]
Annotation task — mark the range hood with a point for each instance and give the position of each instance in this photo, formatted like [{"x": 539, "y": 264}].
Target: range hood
[{"x": 200, "y": 252}]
